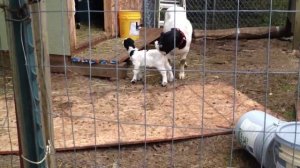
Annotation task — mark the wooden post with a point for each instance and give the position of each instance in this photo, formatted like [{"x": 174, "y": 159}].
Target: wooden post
[
  {"x": 28, "y": 101},
  {"x": 71, "y": 24},
  {"x": 109, "y": 17},
  {"x": 39, "y": 25},
  {"x": 296, "y": 45},
  {"x": 296, "y": 26}
]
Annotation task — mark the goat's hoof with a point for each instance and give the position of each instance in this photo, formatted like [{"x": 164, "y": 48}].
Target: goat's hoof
[
  {"x": 164, "y": 84},
  {"x": 181, "y": 75},
  {"x": 133, "y": 81}
]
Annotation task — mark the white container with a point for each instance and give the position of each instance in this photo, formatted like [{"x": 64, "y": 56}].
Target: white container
[
  {"x": 255, "y": 131},
  {"x": 287, "y": 145}
]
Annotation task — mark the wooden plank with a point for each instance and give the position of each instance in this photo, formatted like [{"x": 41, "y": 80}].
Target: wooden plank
[
  {"x": 151, "y": 35},
  {"x": 94, "y": 41},
  {"x": 206, "y": 134},
  {"x": 57, "y": 63},
  {"x": 98, "y": 70}
]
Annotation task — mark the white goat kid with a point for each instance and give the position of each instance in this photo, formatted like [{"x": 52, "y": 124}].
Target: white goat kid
[
  {"x": 150, "y": 58},
  {"x": 177, "y": 30}
]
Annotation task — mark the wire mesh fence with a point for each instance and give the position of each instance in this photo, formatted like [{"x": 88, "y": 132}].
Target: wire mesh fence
[
  {"x": 223, "y": 14},
  {"x": 100, "y": 122}
]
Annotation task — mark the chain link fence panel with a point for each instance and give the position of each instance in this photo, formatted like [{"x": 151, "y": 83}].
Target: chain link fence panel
[{"x": 222, "y": 14}]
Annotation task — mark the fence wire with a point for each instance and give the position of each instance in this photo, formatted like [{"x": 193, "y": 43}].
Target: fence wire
[
  {"x": 263, "y": 72},
  {"x": 222, "y": 14}
]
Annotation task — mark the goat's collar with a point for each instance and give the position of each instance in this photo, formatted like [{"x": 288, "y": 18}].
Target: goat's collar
[{"x": 182, "y": 42}]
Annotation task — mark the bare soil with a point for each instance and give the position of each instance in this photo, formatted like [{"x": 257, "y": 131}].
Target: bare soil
[{"x": 245, "y": 69}]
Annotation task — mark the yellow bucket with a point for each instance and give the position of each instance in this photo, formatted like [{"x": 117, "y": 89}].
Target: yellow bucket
[{"x": 129, "y": 21}]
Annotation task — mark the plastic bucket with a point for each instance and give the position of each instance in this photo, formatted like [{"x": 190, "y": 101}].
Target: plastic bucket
[
  {"x": 129, "y": 22},
  {"x": 255, "y": 131},
  {"x": 287, "y": 145}
]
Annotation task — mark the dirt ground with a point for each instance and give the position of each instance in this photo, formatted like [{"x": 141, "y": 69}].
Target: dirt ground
[
  {"x": 219, "y": 65},
  {"x": 207, "y": 152}
]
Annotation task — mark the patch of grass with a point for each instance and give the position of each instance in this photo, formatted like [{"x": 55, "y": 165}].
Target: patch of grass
[
  {"x": 290, "y": 115},
  {"x": 287, "y": 87}
]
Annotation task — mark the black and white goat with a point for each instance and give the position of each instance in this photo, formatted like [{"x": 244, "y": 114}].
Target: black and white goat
[
  {"x": 176, "y": 37},
  {"x": 148, "y": 58}
]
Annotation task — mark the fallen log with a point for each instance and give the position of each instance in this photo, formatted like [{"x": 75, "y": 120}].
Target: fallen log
[{"x": 243, "y": 33}]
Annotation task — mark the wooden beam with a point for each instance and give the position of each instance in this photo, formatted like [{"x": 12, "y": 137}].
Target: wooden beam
[
  {"x": 71, "y": 24},
  {"x": 296, "y": 43},
  {"x": 247, "y": 32},
  {"x": 206, "y": 134},
  {"x": 98, "y": 70},
  {"x": 101, "y": 70},
  {"x": 96, "y": 40},
  {"x": 26, "y": 89},
  {"x": 39, "y": 24},
  {"x": 110, "y": 17},
  {"x": 57, "y": 63}
]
